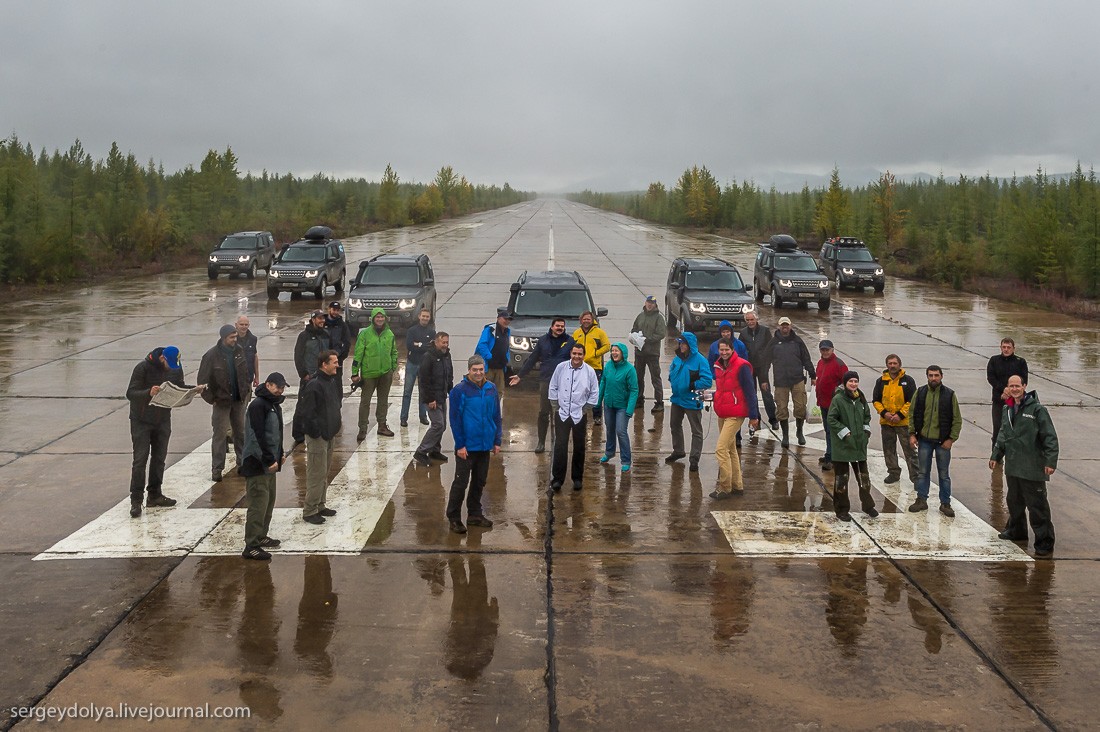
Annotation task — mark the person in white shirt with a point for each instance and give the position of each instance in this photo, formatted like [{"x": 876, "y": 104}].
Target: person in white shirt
[{"x": 573, "y": 389}]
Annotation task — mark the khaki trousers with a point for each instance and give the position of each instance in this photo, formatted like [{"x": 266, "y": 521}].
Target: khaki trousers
[
  {"x": 797, "y": 394},
  {"x": 729, "y": 462}
]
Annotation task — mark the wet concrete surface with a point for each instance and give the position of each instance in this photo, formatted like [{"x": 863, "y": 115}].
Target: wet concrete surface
[{"x": 662, "y": 607}]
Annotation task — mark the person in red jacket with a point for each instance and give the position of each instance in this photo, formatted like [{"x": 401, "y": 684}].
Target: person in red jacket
[
  {"x": 830, "y": 375},
  {"x": 734, "y": 401}
]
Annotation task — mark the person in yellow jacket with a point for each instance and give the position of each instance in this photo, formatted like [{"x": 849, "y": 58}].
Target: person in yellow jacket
[
  {"x": 596, "y": 344},
  {"x": 892, "y": 395}
]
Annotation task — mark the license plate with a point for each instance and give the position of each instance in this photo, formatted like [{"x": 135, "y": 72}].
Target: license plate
[
  {"x": 865, "y": 277},
  {"x": 808, "y": 295}
]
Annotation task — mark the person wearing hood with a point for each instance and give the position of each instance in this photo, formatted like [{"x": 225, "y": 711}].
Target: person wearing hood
[
  {"x": 552, "y": 349},
  {"x": 619, "y": 390},
  {"x": 436, "y": 381},
  {"x": 688, "y": 375},
  {"x": 830, "y": 374},
  {"x": 849, "y": 422},
  {"x": 891, "y": 397},
  {"x": 312, "y": 340},
  {"x": 1028, "y": 444},
  {"x": 734, "y": 402},
  {"x": 224, "y": 369},
  {"x": 262, "y": 458},
  {"x": 725, "y": 330},
  {"x": 372, "y": 368},
  {"x": 651, "y": 324},
  {"x": 596, "y": 344},
  {"x": 320, "y": 406},
  {"x": 150, "y": 426},
  {"x": 788, "y": 358}
]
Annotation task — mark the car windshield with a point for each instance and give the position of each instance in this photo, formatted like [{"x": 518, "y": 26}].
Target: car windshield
[
  {"x": 385, "y": 274},
  {"x": 713, "y": 279},
  {"x": 854, "y": 255},
  {"x": 548, "y": 303},
  {"x": 238, "y": 242},
  {"x": 796, "y": 264},
  {"x": 303, "y": 254}
]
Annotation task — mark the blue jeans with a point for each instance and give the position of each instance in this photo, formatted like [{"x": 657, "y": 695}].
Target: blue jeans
[
  {"x": 616, "y": 422},
  {"x": 925, "y": 450},
  {"x": 828, "y": 434},
  {"x": 411, "y": 372}
]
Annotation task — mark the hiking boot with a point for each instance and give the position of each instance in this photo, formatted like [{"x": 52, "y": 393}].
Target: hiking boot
[
  {"x": 844, "y": 516},
  {"x": 720, "y": 495},
  {"x": 921, "y": 504},
  {"x": 1009, "y": 537},
  {"x": 268, "y": 543},
  {"x": 457, "y": 527},
  {"x": 773, "y": 425},
  {"x": 892, "y": 479},
  {"x": 658, "y": 407},
  {"x": 479, "y": 521},
  {"x": 314, "y": 518},
  {"x": 555, "y": 486},
  {"x": 674, "y": 457},
  {"x": 871, "y": 513},
  {"x": 361, "y": 436},
  {"x": 135, "y": 509},
  {"x": 255, "y": 552},
  {"x": 216, "y": 476},
  {"x": 159, "y": 502},
  {"x": 798, "y": 429},
  {"x": 327, "y": 512},
  {"x": 827, "y": 465},
  {"x": 541, "y": 447},
  {"x": 693, "y": 467},
  {"x": 424, "y": 421},
  {"x": 404, "y": 423},
  {"x": 422, "y": 459},
  {"x": 1044, "y": 552},
  {"x": 385, "y": 431},
  {"x": 946, "y": 510},
  {"x": 437, "y": 455},
  {"x": 577, "y": 485}
]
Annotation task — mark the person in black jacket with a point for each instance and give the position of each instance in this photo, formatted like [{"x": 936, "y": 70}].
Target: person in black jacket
[
  {"x": 997, "y": 371},
  {"x": 436, "y": 381},
  {"x": 312, "y": 341},
  {"x": 756, "y": 338},
  {"x": 788, "y": 358},
  {"x": 263, "y": 457},
  {"x": 319, "y": 406},
  {"x": 418, "y": 339},
  {"x": 552, "y": 349},
  {"x": 224, "y": 369},
  {"x": 151, "y": 427},
  {"x": 339, "y": 335}
]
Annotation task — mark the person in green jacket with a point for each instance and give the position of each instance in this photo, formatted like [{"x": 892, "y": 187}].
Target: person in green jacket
[
  {"x": 1029, "y": 445},
  {"x": 619, "y": 388},
  {"x": 372, "y": 368},
  {"x": 849, "y": 423},
  {"x": 651, "y": 324}
]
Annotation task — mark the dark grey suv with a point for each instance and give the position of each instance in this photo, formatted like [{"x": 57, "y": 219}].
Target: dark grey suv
[
  {"x": 789, "y": 274},
  {"x": 401, "y": 284},
  {"x": 702, "y": 292},
  {"x": 310, "y": 264},
  {"x": 242, "y": 253},
  {"x": 535, "y": 298},
  {"x": 849, "y": 263}
]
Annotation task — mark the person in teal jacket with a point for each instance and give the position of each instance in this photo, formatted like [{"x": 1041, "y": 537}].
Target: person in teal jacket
[
  {"x": 372, "y": 368},
  {"x": 688, "y": 375},
  {"x": 619, "y": 389}
]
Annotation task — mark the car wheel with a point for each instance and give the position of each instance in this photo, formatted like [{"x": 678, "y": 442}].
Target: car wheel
[
  {"x": 272, "y": 293},
  {"x": 824, "y": 304},
  {"x": 879, "y": 289},
  {"x": 776, "y": 299},
  {"x": 212, "y": 273},
  {"x": 320, "y": 291},
  {"x": 839, "y": 286},
  {"x": 339, "y": 285},
  {"x": 252, "y": 271}
]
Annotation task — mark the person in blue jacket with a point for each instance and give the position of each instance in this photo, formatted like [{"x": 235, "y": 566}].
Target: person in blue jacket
[
  {"x": 477, "y": 428},
  {"x": 688, "y": 374},
  {"x": 725, "y": 330},
  {"x": 493, "y": 348}
]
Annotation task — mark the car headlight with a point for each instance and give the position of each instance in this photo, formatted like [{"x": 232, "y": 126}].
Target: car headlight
[
  {"x": 406, "y": 304},
  {"x": 355, "y": 302},
  {"x": 274, "y": 274},
  {"x": 244, "y": 258},
  {"x": 213, "y": 258},
  {"x": 785, "y": 283},
  {"x": 312, "y": 273},
  {"x": 878, "y": 272},
  {"x": 823, "y": 284},
  {"x": 519, "y": 343},
  {"x": 750, "y": 307},
  {"x": 697, "y": 307},
  {"x": 848, "y": 271}
]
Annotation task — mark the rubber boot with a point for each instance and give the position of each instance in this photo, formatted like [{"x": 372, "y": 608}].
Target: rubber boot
[
  {"x": 786, "y": 427},
  {"x": 798, "y": 426}
]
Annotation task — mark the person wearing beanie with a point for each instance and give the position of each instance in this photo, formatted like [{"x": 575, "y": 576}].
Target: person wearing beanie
[
  {"x": 849, "y": 422},
  {"x": 262, "y": 458},
  {"x": 224, "y": 369},
  {"x": 830, "y": 373}
]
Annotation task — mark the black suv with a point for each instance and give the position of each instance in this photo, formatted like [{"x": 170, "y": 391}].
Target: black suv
[
  {"x": 789, "y": 274},
  {"x": 402, "y": 284},
  {"x": 703, "y": 292},
  {"x": 849, "y": 263},
  {"x": 310, "y": 264},
  {"x": 242, "y": 253},
  {"x": 535, "y": 298}
]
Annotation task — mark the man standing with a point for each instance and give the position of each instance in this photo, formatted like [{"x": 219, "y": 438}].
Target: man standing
[
  {"x": 934, "y": 425},
  {"x": 651, "y": 324},
  {"x": 830, "y": 374},
  {"x": 151, "y": 427},
  {"x": 418, "y": 339},
  {"x": 788, "y": 357},
  {"x": 552, "y": 349},
  {"x": 725, "y": 330},
  {"x": 1029, "y": 446},
  {"x": 436, "y": 381},
  {"x": 892, "y": 395},
  {"x": 492, "y": 346},
  {"x": 688, "y": 375},
  {"x": 248, "y": 342},
  {"x": 573, "y": 388},
  {"x": 596, "y": 344},
  {"x": 372, "y": 368},
  {"x": 997, "y": 373},
  {"x": 757, "y": 338},
  {"x": 312, "y": 341},
  {"x": 339, "y": 335},
  {"x": 320, "y": 407},
  {"x": 224, "y": 369},
  {"x": 477, "y": 428},
  {"x": 262, "y": 459}
]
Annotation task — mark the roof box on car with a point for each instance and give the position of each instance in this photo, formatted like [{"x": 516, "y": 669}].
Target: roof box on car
[
  {"x": 783, "y": 242},
  {"x": 318, "y": 232}
]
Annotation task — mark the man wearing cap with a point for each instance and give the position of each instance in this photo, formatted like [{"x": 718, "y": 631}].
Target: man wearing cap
[
  {"x": 830, "y": 375},
  {"x": 339, "y": 335},
  {"x": 312, "y": 340},
  {"x": 372, "y": 368},
  {"x": 320, "y": 409},
  {"x": 756, "y": 338},
  {"x": 249, "y": 343},
  {"x": 651, "y": 324},
  {"x": 492, "y": 346},
  {"x": 224, "y": 370},
  {"x": 788, "y": 357},
  {"x": 262, "y": 458},
  {"x": 418, "y": 339},
  {"x": 151, "y": 427}
]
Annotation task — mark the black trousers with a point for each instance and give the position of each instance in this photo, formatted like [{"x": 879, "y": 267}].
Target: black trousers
[
  {"x": 998, "y": 412},
  {"x": 545, "y": 409},
  {"x": 472, "y": 472},
  {"x": 651, "y": 361},
  {"x": 840, "y": 487},
  {"x": 150, "y": 446},
  {"x": 562, "y": 430},
  {"x": 1029, "y": 495}
]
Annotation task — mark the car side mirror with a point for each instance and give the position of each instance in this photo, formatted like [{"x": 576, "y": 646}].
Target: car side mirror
[
  {"x": 429, "y": 281},
  {"x": 600, "y": 312},
  {"x": 748, "y": 288}
]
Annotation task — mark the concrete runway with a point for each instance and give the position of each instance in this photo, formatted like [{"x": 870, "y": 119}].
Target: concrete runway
[{"x": 637, "y": 603}]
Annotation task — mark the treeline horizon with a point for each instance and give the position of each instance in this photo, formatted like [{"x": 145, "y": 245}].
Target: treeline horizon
[
  {"x": 1041, "y": 232},
  {"x": 65, "y": 215}
]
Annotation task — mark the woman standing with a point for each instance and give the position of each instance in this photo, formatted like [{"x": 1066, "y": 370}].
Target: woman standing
[
  {"x": 619, "y": 391},
  {"x": 849, "y": 425},
  {"x": 734, "y": 401}
]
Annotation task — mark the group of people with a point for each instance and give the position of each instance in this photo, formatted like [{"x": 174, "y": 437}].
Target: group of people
[{"x": 741, "y": 370}]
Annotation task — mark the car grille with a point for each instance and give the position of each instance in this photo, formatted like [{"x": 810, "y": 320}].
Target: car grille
[
  {"x": 292, "y": 274},
  {"x": 805, "y": 283},
  {"x": 724, "y": 307},
  {"x": 375, "y": 303}
]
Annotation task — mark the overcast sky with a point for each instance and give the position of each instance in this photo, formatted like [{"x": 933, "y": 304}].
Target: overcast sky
[{"x": 558, "y": 95}]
